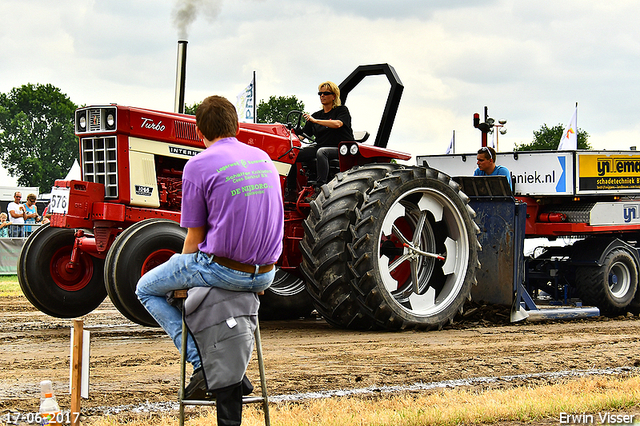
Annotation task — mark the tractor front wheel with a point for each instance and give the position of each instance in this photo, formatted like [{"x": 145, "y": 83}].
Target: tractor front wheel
[
  {"x": 51, "y": 282},
  {"x": 137, "y": 250}
]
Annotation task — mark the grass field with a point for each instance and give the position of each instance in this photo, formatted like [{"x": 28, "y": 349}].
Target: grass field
[
  {"x": 606, "y": 400},
  {"x": 9, "y": 286}
]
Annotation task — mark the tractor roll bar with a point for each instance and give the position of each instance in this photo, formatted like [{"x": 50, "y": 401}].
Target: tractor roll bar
[{"x": 393, "y": 100}]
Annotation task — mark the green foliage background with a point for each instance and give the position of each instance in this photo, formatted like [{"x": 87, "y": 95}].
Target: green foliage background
[
  {"x": 37, "y": 138},
  {"x": 548, "y": 138},
  {"x": 275, "y": 110}
]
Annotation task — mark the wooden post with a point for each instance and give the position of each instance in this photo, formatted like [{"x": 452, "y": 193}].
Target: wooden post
[{"x": 76, "y": 372}]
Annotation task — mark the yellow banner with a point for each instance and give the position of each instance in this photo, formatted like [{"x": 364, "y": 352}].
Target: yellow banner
[
  {"x": 599, "y": 165},
  {"x": 601, "y": 172}
]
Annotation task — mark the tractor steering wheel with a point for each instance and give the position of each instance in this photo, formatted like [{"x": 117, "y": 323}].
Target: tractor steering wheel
[{"x": 295, "y": 123}]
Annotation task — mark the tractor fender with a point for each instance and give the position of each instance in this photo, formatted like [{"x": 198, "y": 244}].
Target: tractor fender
[{"x": 367, "y": 154}]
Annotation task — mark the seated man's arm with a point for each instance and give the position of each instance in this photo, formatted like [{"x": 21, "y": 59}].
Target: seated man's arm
[{"x": 194, "y": 237}]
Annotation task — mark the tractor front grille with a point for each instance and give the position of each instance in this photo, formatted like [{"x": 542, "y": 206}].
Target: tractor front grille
[
  {"x": 95, "y": 119},
  {"x": 100, "y": 163}
]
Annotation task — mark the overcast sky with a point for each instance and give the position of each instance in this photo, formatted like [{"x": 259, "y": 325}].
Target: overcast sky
[{"x": 528, "y": 61}]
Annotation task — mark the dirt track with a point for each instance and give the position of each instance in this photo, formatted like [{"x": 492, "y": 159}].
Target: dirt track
[{"x": 131, "y": 364}]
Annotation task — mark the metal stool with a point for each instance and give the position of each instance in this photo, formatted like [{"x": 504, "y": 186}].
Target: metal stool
[{"x": 264, "y": 399}]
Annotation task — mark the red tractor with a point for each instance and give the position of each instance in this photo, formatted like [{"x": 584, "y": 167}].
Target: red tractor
[{"x": 382, "y": 246}]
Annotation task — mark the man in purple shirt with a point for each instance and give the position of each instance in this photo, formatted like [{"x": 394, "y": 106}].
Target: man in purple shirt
[{"x": 233, "y": 211}]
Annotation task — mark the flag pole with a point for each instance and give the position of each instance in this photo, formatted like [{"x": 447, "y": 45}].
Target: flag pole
[
  {"x": 454, "y": 142},
  {"x": 255, "y": 100},
  {"x": 576, "y": 125}
]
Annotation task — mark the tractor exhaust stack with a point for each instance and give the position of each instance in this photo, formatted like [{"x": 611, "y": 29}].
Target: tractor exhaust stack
[{"x": 181, "y": 76}]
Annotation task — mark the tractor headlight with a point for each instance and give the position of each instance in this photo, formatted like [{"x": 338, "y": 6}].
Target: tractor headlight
[
  {"x": 81, "y": 121},
  {"x": 110, "y": 119},
  {"x": 354, "y": 149},
  {"x": 344, "y": 150}
]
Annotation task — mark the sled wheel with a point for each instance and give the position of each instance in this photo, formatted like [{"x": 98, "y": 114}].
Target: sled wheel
[
  {"x": 137, "y": 250},
  {"x": 51, "y": 283},
  {"x": 612, "y": 286},
  {"x": 287, "y": 298}
]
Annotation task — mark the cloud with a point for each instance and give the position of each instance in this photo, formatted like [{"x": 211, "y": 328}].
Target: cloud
[{"x": 529, "y": 62}]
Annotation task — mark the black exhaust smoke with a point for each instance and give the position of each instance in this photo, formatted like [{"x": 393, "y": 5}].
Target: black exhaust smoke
[{"x": 181, "y": 76}]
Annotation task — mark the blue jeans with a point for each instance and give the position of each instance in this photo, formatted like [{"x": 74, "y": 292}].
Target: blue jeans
[{"x": 183, "y": 271}]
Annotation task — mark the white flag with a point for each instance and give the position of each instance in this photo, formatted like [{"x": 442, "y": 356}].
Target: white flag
[
  {"x": 569, "y": 139},
  {"x": 492, "y": 142},
  {"x": 245, "y": 102},
  {"x": 451, "y": 149}
]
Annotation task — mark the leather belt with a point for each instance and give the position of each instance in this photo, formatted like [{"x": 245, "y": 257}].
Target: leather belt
[{"x": 242, "y": 267}]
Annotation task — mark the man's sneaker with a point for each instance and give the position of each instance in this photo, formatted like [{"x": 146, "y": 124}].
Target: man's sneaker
[{"x": 197, "y": 388}]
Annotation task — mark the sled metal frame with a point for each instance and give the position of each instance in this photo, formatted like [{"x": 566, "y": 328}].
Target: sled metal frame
[
  {"x": 264, "y": 399},
  {"x": 484, "y": 191}
]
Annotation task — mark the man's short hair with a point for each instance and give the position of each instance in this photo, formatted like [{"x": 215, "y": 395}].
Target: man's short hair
[
  {"x": 489, "y": 153},
  {"x": 216, "y": 117}
]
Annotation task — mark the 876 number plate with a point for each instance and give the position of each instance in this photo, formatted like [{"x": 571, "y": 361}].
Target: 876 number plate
[{"x": 59, "y": 200}]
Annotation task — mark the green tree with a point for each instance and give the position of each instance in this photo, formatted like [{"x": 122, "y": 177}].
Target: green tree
[
  {"x": 37, "y": 134},
  {"x": 548, "y": 138},
  {"x": 191, "y": 109},
  {"x": 275, "y": 110}
]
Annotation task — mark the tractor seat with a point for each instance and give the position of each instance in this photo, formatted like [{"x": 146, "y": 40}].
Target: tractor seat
[{"x": 360, "y": 136}]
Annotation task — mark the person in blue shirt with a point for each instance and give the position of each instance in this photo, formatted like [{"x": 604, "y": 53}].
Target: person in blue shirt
[
  {"x": 486, "y": 161},
  {"x": 4, "y": 224}
]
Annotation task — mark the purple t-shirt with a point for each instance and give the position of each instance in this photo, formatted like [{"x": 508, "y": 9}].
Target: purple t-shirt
[{"x": 234, "y": 190}]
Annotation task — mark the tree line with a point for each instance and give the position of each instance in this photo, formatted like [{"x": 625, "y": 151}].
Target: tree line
[{"x": 38, "y": 144}]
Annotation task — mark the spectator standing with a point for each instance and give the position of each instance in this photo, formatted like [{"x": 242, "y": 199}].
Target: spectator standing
[
  {"x": 31, "y": 215},
  {"x": 17, "y": 213},
  {"x": 4, "y": 225}
]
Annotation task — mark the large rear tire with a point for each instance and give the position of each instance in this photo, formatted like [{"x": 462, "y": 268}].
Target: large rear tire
[
  {"x": 137, "y": 250},
  {"x": 415, "y": 250},
  {"x": 47, "y": 281},
  {"x": 287, "y": 298},
  {"x": 612, "y": 286},
  {"x": 388, "y": 246}
]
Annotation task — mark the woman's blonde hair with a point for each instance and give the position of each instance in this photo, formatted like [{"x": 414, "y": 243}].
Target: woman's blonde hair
[{"x": 332, "y": 87}]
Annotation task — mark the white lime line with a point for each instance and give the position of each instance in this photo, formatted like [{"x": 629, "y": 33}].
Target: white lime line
[{"x": 169, "y": 406}]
